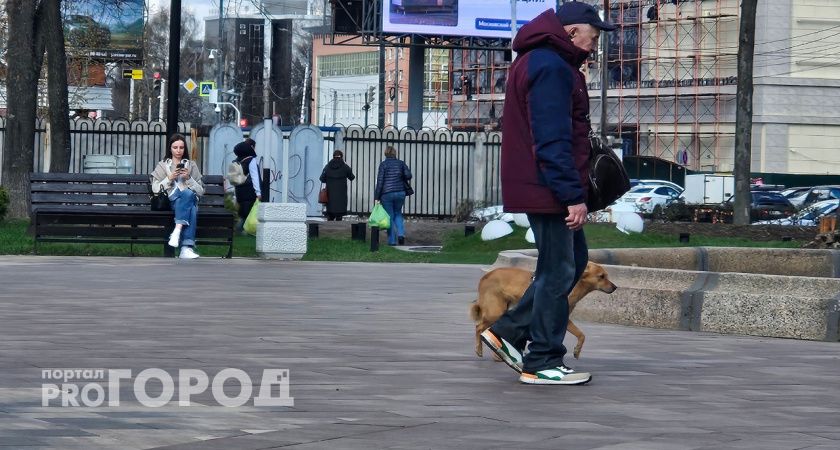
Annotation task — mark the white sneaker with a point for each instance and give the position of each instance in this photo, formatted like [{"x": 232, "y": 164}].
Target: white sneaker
[
  {"x": 188, "y": 253},
  {"x": 175, "y": 238},
  {"x": 557, "y": 375}
]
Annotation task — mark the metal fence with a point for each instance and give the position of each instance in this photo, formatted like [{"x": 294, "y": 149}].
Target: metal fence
[
  {"x": 442, "y": 164},
  {"x": 448, "y": 167},
  {"x": 145, "y": 141}
]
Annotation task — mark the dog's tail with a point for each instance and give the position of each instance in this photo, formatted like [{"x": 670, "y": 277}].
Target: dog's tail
[{"x": 475, "y": 311}]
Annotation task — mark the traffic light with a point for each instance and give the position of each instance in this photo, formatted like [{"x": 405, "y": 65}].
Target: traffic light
[
  {"x": 157, "y": 81},
  {"x": 369, "y": 96}
]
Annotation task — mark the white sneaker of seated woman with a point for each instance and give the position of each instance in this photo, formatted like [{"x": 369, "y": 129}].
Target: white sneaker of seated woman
[
  {"x": 188, "y": 253},
  {"x": 175, "y": 238}
]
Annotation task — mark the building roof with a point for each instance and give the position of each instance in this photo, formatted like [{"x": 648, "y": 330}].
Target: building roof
[{"x": 87, "y": 97}]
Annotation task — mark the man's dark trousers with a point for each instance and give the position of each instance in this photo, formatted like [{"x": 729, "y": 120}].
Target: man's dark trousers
[{"x": 542, "y": 314}]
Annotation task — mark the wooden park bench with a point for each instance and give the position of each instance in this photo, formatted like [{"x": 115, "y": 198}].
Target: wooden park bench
[{"x": 115, "y": 209}]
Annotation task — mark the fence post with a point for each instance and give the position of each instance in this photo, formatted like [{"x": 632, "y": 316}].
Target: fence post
[
  {"x": 46, "y": 156},
  {"x": 479, "y": 169}
]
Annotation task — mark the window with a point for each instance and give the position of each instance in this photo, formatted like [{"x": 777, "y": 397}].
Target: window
[{"x": 349, "y": 64}]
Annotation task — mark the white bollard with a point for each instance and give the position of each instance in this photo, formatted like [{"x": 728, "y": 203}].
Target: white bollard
[{"x": 281, "y": 230}]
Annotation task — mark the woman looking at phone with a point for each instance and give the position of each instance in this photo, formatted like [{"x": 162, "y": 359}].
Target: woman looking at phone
[{"x": 180, "y": 178}]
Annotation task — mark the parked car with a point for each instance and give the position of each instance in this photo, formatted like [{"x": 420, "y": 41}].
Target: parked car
[
  {"x": 765, "y": 206},
  {"x": 808, "y": 217},
  {"x": 650, "y": 182},
  {"x": 644, "y": 198},
  {"x": 794, "y": 192},
  {"x": 815, "y": 194}
]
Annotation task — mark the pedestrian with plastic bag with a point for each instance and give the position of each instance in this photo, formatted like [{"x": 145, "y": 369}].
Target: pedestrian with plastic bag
[
  {"x": 248, "y": 188},
  {"x": 392, "y": 186}
]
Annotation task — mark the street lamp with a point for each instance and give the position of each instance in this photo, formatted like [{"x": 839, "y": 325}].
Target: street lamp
[{"x": 214, "y": 100}]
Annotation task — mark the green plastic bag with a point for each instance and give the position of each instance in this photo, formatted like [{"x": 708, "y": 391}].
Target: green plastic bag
[
  {"x": 250, "y": 226},
  {"x": 379, "y": 218}
]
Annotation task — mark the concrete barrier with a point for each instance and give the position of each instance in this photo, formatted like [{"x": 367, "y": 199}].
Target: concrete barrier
[{"x": 665, "y": 288}]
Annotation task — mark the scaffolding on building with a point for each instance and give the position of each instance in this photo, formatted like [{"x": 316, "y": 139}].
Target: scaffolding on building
[
  {"x": 477, "y": 78},
  {"x": 672, "y": 80}
]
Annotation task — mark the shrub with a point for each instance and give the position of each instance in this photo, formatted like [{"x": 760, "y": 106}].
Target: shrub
[
  {"x": 4, "y": 203},
  {"x": 465, "y": 208}
]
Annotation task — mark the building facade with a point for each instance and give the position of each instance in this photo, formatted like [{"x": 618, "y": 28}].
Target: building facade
[{"x": 672, "y": 83}]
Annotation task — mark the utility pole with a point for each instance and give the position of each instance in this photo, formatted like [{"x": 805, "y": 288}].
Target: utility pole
[
  {"x": 512, "y": 27},
  {"x": 381, "y": 117},
  {"x": 335, "y": 106},
  {"x": 395, "y": 122},
  {"x": 220, "y": 53},
  {"x": 174, "y": 67},
  {"x": 131, "y": 99},
  {"x": 304, "y": 99},
  {"x": 162, "y": 100},
  {"x": 743, "y": 115},
  {"x": 267, "y": 69},
  {"x": 605, "y": 76}
]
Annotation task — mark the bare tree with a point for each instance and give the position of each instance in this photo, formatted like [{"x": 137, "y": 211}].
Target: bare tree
[
  {"x": 35, "y": 28},
  {"x": 193, "y": 60},
  {"x": 59, "y": 111},
  {"x": 24, "y": 55}
]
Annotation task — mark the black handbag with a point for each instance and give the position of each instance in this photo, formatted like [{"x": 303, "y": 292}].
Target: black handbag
[
  {"x": 408, "y": 189},
  {"x": 160, "y": 201},
  {"x": 608, "y": 180}
]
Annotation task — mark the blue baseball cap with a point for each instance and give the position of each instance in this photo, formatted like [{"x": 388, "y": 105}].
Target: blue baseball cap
[{"x": 578, "y": 12}]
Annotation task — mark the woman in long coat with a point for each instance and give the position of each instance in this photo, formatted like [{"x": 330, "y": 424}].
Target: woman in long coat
[{"x": 335, "y": 175}]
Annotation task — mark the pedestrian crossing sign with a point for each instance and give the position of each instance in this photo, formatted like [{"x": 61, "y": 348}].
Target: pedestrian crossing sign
[{"x": 205, "y": 87}]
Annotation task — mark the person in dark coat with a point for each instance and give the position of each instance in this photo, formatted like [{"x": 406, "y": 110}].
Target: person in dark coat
[
  {"x": 248, "y": 192},
  {"x": 544, "y": 166},
  {"x": 335, "y": 175}
]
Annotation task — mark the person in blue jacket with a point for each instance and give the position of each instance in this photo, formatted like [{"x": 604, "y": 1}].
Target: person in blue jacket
[{"x": 390, "y": 190}]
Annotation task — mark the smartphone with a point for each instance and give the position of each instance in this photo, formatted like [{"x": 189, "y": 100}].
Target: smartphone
[{"x": 180, "y": 166}]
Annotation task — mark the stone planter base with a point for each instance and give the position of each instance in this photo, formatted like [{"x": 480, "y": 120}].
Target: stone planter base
[{"x": 281, "y": 231}]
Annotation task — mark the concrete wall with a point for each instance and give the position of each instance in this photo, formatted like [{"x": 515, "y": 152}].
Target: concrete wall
[{"x": 720, "y": 290}]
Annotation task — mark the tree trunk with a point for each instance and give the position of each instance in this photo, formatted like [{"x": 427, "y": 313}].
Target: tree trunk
[
  {"x": 24, "y": 56},
  {"x": 57, "y": 87},
  {"x": 744, "y": 113}
]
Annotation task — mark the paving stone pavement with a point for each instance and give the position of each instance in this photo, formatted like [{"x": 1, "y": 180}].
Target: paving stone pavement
[{"x": 380, "y": 356}]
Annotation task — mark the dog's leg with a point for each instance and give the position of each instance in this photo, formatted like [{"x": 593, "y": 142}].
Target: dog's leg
[
  {"x": 572, "y": 328},
  {"x": 479, "y": 346}
]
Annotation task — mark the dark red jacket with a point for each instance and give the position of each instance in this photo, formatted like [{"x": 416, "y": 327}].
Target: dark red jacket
[{"x": 545, "y": 124}]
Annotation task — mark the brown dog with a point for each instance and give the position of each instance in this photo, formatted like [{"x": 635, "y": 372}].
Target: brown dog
[{"x": 502, "y": 288}]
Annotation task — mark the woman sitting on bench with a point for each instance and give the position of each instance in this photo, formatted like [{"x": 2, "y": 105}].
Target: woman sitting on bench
[{"x": 181, "y": 179}]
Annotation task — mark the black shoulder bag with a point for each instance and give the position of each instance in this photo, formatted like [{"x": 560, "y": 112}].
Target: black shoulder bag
[
  {"x": 159, "y": 200},
  {"x": 608, "y": 180}
]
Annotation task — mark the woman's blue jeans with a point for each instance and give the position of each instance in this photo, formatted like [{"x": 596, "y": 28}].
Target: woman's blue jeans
[
  {"x": 393, "y": 203},
  {"x": 185, "y": 205}
]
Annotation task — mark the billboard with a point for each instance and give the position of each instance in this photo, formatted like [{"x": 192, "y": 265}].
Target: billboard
[
  {"x": 110, "y": 30},
  {"x": 479, "y": 18}
]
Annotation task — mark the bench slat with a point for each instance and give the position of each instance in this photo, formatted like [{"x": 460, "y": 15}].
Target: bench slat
[
  {"x": 162, "y": 234},
  {"x": 91, "y": 188},
  {"x": 107, "y": 178}
]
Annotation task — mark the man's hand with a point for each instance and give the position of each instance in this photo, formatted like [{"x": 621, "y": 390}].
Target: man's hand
[{"x": 577, "y": 216}]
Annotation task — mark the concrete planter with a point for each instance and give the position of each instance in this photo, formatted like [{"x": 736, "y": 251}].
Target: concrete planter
[
  {"x": 281, "y": 231},
  {"x": 720, "y": 290}
]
